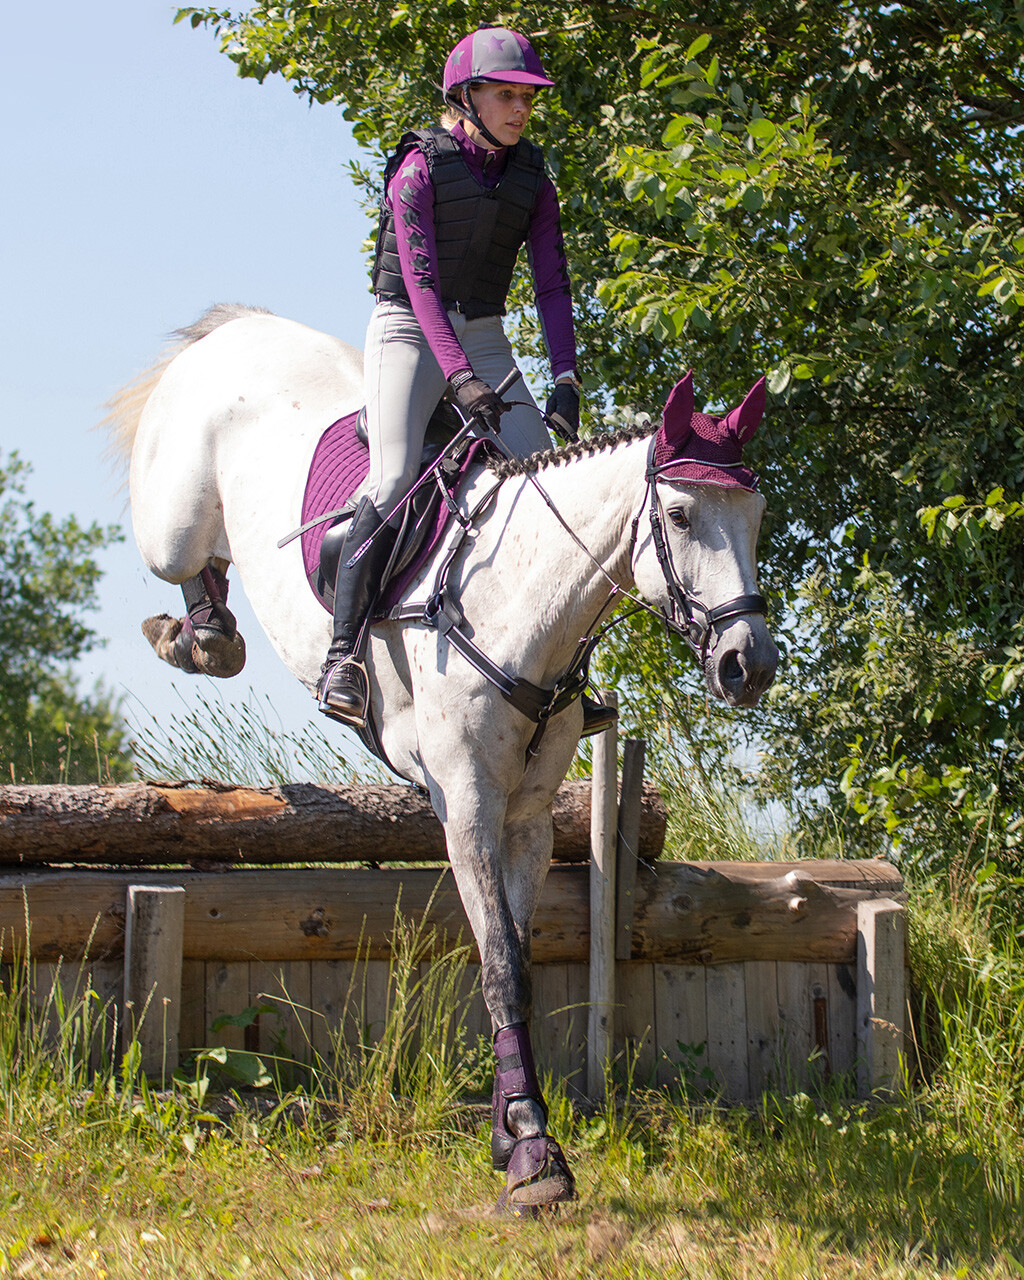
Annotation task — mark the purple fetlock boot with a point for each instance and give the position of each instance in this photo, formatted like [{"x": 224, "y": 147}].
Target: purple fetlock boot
[{"x": 537, "y": 1173}]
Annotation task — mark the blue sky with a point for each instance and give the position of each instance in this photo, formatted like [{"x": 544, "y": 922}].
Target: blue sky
[{"x": 144, "y": 181}]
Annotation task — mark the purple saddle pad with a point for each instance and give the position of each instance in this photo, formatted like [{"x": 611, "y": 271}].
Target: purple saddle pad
[{"x": 340, "y": 465}]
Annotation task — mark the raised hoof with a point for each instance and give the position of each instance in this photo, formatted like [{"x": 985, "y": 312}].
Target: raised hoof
[
  {"x": 538, "y": 1178},
  {"x": 214, "y": 654},
  {"x": 207, "y": 652}
]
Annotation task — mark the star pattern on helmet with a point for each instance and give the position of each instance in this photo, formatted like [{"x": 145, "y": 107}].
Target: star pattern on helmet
[{"x": 498, "y": 42}]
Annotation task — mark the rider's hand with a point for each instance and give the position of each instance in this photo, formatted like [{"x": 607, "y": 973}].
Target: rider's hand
[
  {"x": 476, "y": 399},
  {"x": 563, "y": 410}
]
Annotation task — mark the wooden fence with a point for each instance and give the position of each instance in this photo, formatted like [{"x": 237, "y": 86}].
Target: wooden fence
[{"x": 736, "y": 976}]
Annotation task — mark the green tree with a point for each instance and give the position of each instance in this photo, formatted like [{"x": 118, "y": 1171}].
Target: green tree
[
  {"x": 49, "y": 730},
  {"x": 829, "y": 192}
]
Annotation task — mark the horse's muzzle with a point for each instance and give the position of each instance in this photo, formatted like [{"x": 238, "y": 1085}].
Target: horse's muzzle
[{"x": 741, "y": 665}]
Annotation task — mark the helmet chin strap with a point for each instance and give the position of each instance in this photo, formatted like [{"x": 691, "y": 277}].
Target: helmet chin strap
[{"x": 466, "y": 106}]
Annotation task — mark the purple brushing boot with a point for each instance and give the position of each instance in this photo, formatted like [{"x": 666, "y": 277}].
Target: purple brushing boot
[{"x": 537, "y": 1173}]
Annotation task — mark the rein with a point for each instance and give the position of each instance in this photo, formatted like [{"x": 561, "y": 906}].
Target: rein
[{"x": 537, "y": 704}]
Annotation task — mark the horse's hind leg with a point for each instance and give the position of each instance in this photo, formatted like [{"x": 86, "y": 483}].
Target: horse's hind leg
[{"x": 206, "y": 641}]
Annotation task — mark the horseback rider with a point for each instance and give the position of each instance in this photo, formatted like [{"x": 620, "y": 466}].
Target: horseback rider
[{"x": 460, "y": 200}]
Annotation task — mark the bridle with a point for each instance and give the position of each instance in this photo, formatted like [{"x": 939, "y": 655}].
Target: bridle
[
  {"x": 681, "y": 614},
  {"x": 442, "y": 611}
]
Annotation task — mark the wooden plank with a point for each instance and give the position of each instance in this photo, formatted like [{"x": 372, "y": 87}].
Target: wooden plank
[
  {"x": 842, "y": 997},
  {"x": 227, "y": 994},
  {"x": 603, "y": 830},
  {"x": 681, "y": 1026},
  {"x": 685, "y": 913},
  {"x": 627, "y": 852},
  {"x": 288, "y": 1031},
  {"x": 635, "y": 1022},
  {"x": 796, "y": 1025},
  {"x": 154, "y": 932},
  {"x": 478, "y": 1020},
  {"x": 192, "y": 1033},
  {"x": 820, "y": 1067},
  {"x": 727, "y": 1029},
  {"x": 762, "y": 1007},
  {"x": 881, "y": 995},
  {"x": 331, "y": 996},
  {"x": 296, "y": 822},
  {"x": 575, "y": 1074},
  {"x": 550, "y": 1023},
  {"x": 375, "y": 1004}
]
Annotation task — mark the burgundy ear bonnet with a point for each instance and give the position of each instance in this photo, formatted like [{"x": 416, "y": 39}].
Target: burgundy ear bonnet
[{"x": 704, "y": 450}]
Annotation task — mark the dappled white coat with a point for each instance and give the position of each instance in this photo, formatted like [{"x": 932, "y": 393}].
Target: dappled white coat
[{"x": 219, "y": 458}]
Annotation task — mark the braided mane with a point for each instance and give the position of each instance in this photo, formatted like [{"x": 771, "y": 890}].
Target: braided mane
[{"x": 504, "y": 468}]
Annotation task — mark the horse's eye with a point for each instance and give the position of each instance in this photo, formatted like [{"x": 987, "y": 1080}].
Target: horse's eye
[{"x": 679, "y": 518}]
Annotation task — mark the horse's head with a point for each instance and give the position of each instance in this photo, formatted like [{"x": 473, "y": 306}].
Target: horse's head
[{"x": 696, "y": 542}]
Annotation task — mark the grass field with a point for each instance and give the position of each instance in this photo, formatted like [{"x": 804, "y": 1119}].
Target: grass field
[{"x": 378, "y": 1166}]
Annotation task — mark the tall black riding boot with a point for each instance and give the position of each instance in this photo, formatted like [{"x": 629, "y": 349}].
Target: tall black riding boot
[{"x": 342, "y": 690}]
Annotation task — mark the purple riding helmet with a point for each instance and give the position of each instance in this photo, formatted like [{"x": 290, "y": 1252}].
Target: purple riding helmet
[{"x": 491, "y": 53}]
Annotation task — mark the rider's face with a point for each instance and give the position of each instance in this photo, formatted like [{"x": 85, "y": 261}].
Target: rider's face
[{"x": 504, "y": 110}]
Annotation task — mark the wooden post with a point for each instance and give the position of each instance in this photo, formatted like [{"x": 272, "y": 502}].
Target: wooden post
[
  {"x": 154, "y": 934},
  {"x": 881, "y": 994},
  {"x": 603, "y": 824},
  {"x": 627, "y": 849}
]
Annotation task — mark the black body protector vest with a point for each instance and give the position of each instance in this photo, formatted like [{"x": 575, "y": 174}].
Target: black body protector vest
[{"x": 479, "y": 231}]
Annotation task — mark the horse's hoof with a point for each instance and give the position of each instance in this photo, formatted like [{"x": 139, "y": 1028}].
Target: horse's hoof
[
  {"x": 214, "y": 654},
  {"x": 164, "y": 633},
  {"x": 538, "y": 1178},
  {"x": 203, "y": 652}
]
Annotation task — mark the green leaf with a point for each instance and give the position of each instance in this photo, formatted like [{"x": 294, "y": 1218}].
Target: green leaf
[
  {"x": 761, "y": 129},
  {"x": 698, "y": 47},
  {"x": 779, "y": 379}
]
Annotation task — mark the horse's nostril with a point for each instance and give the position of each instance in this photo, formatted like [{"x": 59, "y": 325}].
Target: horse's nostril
[{"x": 729, "y": 669}]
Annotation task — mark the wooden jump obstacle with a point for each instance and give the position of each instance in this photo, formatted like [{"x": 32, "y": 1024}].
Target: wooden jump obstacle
[{"x": 734, "y": 976}]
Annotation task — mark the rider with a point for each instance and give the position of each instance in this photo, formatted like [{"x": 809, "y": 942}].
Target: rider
[{"x": 460, "y": 200}]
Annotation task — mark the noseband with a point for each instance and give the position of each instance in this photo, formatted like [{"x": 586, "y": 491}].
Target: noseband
[{"x": 681, "y": 616}]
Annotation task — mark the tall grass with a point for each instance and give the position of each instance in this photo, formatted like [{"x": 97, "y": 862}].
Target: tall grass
[{"x": 242, "y": 742}]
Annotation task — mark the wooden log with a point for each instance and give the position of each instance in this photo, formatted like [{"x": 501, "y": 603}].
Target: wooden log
[
  {"x": 712, "y": 913},
  {"x": 881, "y": 995},
  {"x": 604, "y": 823},
  {"x": 151, "y": 824},
  {"x": 154, "y": 930},
  {"x": 720, "y": 912}
]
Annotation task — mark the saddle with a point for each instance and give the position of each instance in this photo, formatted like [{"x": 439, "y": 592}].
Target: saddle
[{"x": 339, "y": 467}]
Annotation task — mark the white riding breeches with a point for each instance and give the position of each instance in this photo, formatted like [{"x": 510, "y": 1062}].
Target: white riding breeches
[{"x": 403, "y": 383}]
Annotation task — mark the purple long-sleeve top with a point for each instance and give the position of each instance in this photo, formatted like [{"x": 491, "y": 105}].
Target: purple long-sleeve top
[{"x": 411, "y": 196}]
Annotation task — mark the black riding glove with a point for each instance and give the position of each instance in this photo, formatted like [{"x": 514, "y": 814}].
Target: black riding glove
[
  {"x": 563, "y": 410},
  {"x": 476, "y": 399}
]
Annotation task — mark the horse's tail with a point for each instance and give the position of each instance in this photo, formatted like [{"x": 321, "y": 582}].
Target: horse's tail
[{"x": 124, "y": 408}]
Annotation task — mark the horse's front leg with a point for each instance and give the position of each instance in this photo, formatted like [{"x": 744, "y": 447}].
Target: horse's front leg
[{"x": 500, "y": 876}]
